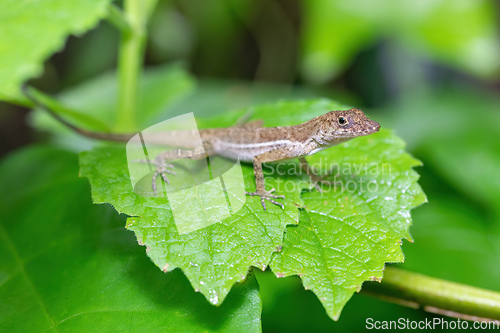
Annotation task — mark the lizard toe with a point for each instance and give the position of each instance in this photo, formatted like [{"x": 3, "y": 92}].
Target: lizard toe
[
  {"x": 318, "y": 187},
  {"x": 276, "y": 203},
  {"x": 266, "y": 195},
  {"x": 153, "y": 183},
  {"x": 165, "y": 178}
]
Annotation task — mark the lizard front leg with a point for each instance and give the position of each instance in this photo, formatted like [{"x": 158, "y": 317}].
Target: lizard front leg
[
  {"x": 260, "y": 185},
  {"x": 316, "y": 179}
]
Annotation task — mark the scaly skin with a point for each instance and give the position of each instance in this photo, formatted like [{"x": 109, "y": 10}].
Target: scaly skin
[{"x": 259, "y": 145}]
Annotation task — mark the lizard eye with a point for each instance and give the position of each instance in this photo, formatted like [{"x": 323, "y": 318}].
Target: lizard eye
[{"x": 342, "y": 121}]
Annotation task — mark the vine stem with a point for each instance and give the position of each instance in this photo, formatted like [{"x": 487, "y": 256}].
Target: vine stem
[
  {"x": 130, "y": 59},
  {"x": 436, "y": 295}
]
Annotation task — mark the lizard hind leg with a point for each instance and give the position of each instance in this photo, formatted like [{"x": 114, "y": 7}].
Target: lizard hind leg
[{"x": 163, "y": 168}]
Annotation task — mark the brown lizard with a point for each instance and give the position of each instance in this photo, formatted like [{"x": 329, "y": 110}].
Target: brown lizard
[{"x": 253, "y": 143}]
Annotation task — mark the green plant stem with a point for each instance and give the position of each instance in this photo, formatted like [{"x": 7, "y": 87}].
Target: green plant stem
[
  {"x": 436, "y": 295},
  {"x": 130, "y": 60},
  {"x": 117, "y": 18}
]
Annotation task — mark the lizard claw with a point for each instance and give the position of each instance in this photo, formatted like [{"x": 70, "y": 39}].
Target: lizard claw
[
  {"x": 317, "y": 187},
  {"x": 162, "y": 169},
  {"x": 267, "y": 195}
]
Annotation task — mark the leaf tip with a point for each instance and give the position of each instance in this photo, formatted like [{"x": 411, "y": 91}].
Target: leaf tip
[{"x": 214, "y": 298}]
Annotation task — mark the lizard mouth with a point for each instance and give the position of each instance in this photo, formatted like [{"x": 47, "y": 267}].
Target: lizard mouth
[
  {"x": 364, "y": 132},
  {"x": 372, "y": 127}
]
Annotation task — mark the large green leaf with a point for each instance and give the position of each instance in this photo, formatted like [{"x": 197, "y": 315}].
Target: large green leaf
[
  {"x": 459, "y": 34},
  {"x": 70, "y": 266},
  {"x": 216, "y": 257},
  {"x": 213, "y": 258},
  {"x": 31, "y": 30},
  {"x": 362, "y": 226}
]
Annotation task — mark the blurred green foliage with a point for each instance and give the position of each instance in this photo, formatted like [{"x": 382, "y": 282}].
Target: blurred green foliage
[
  {"x": 424, "y": 68},
  {"x": 33, "y": 31},
  {"x": 462, "y": 34}
]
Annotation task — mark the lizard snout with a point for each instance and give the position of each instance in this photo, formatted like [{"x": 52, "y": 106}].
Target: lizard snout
[{"x": 374, "y": 126}]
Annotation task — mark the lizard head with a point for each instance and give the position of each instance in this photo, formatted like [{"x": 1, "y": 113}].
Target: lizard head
[{"x": 340, "y": 126}]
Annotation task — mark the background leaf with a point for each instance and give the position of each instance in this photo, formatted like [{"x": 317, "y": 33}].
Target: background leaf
[
  {"x": 70, "y": 266},
  {"x": 44, "y": 28},
  {"x": 461, "y": 180},
  {"x": 460, "y": 34}
]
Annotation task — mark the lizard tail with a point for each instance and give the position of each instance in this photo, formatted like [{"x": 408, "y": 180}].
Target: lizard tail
[{"x": 89, "y": 134}]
